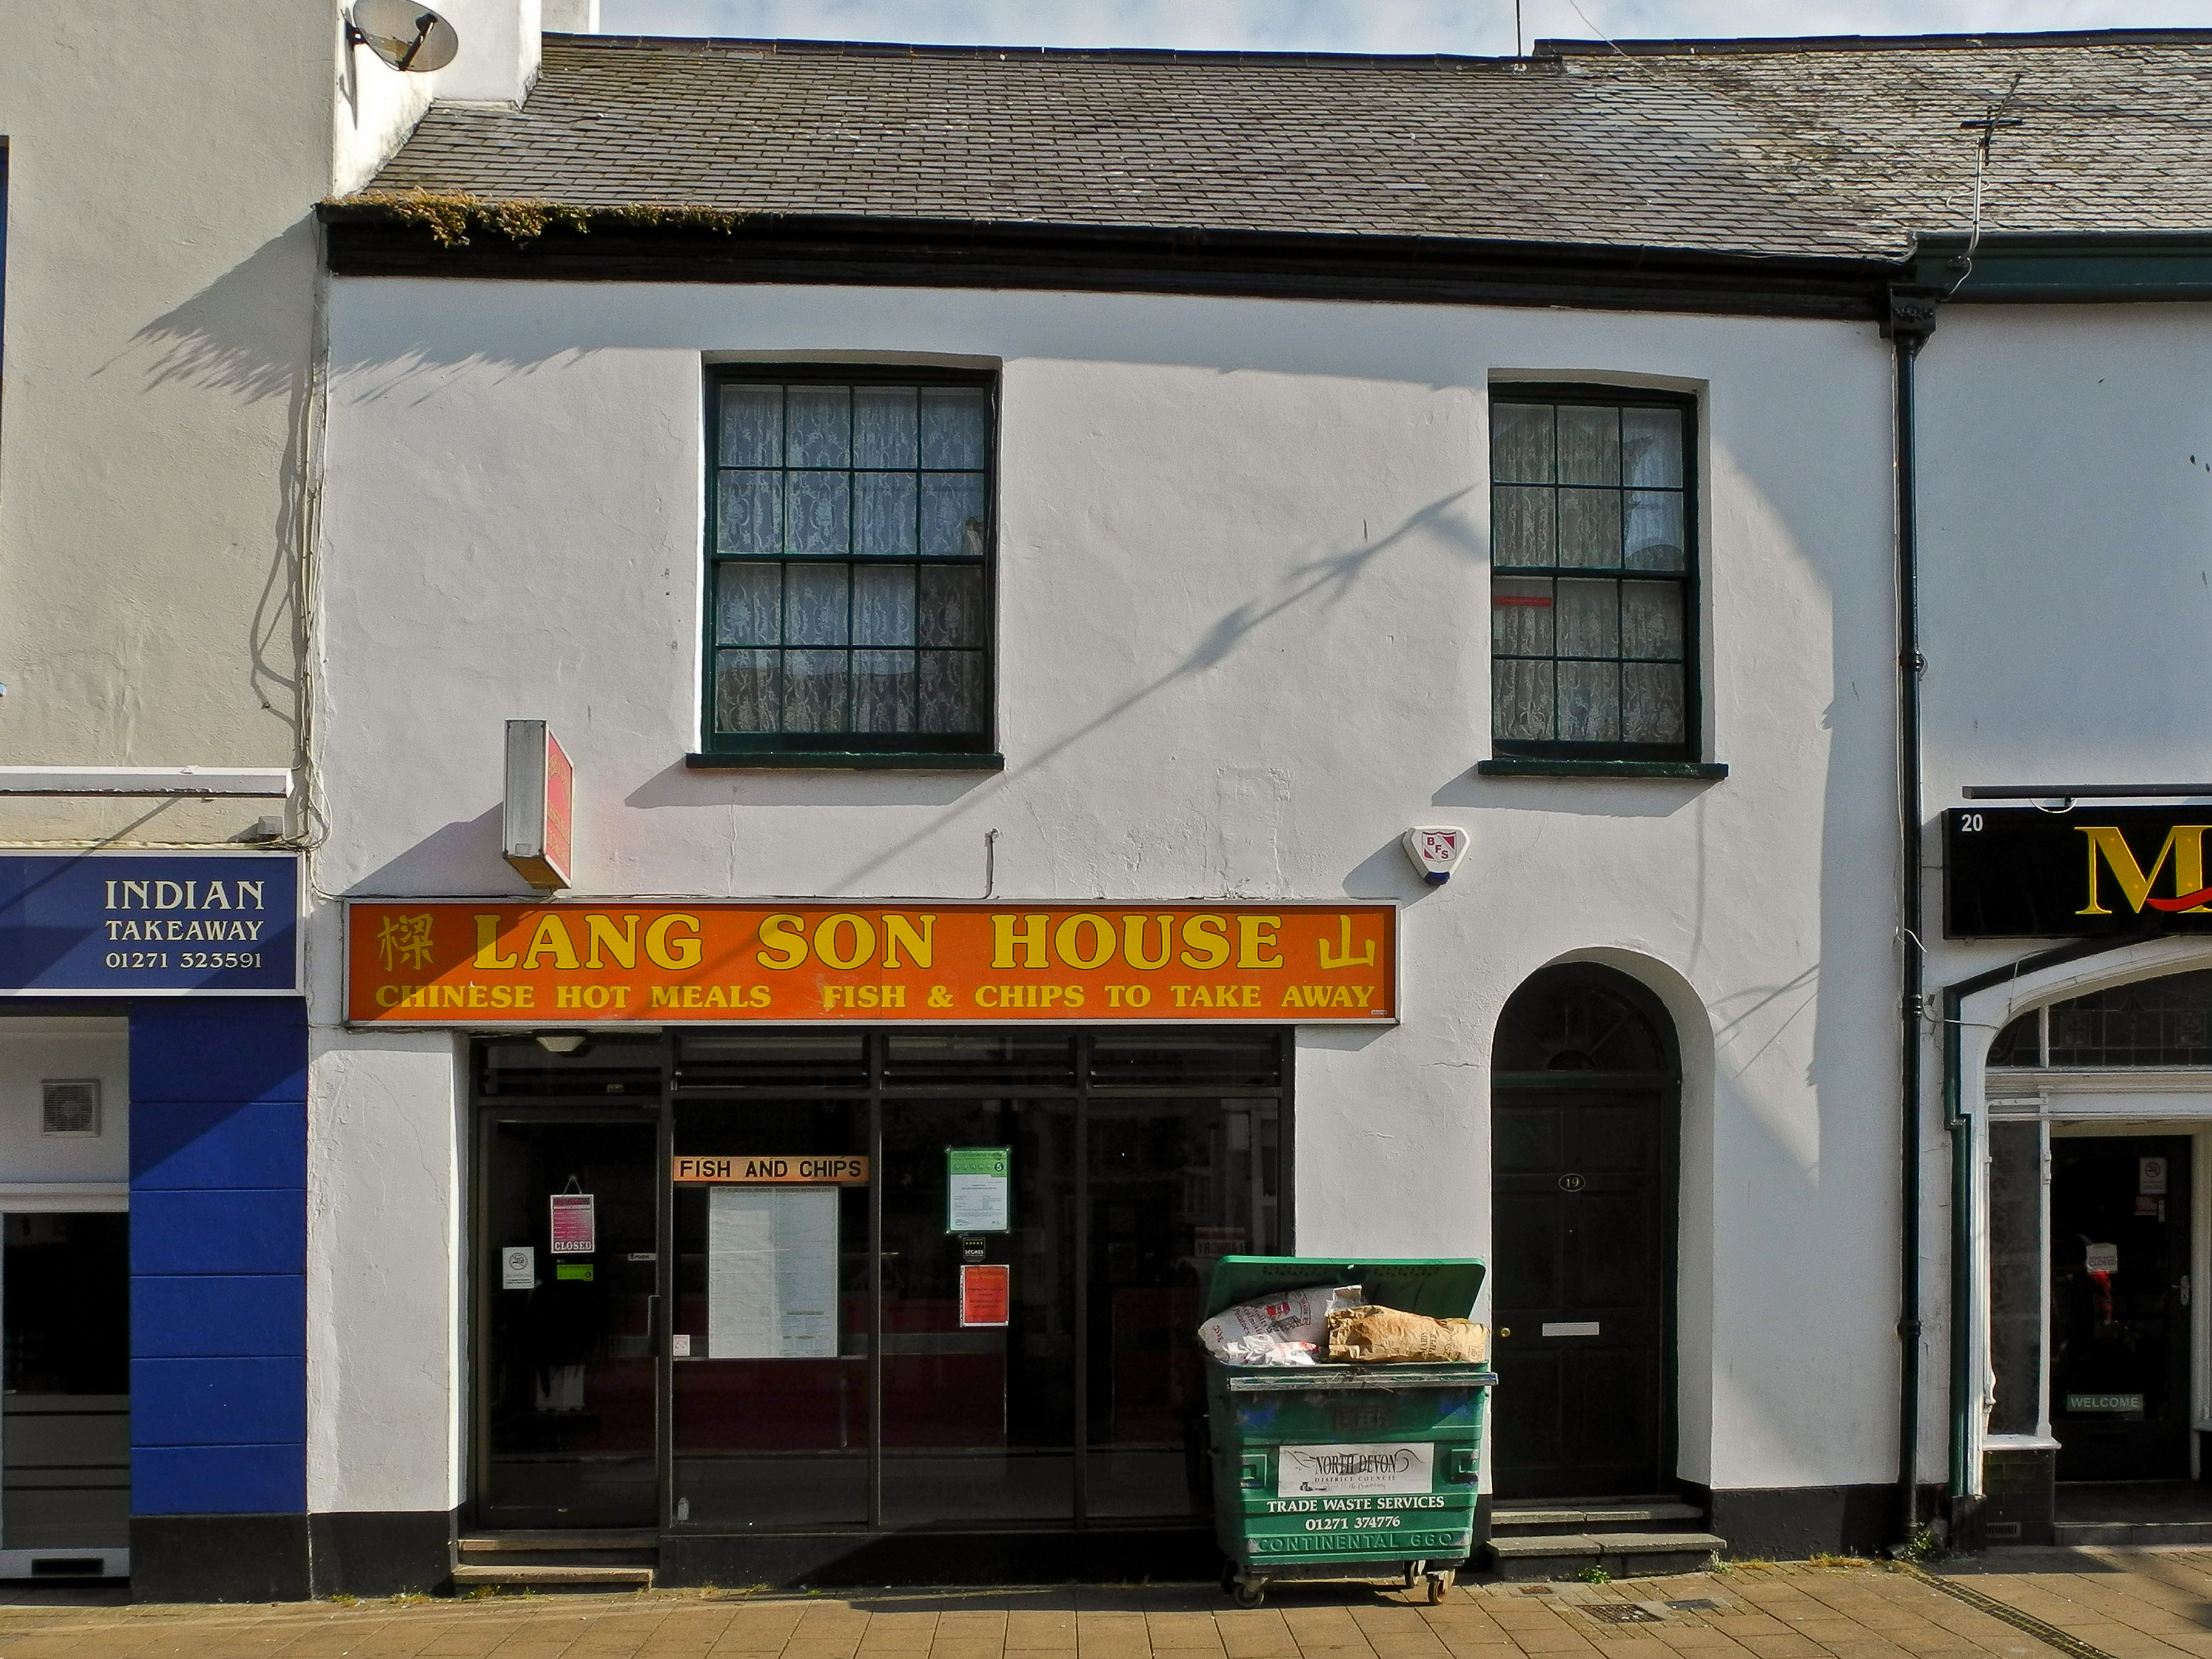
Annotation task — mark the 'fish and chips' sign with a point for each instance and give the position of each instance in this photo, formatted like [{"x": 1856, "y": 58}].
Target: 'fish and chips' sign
[{"x": 490, "y": 964}]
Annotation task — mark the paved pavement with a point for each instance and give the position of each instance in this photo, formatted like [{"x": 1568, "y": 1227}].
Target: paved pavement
[
  {"x": 2130, "y": 1604},
  {"x": 1798, "y": 1611}
]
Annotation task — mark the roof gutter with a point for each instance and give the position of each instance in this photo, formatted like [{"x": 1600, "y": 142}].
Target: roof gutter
[
  {"x": 439, "y": 236},
  {"x": 2069, "y": 267}
]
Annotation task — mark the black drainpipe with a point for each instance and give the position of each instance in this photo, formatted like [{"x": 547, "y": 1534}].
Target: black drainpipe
[{"x": 1910, "y": 316}]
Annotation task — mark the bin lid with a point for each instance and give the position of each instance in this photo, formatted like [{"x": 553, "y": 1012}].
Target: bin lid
[{"x": 1442, "y": 1287}]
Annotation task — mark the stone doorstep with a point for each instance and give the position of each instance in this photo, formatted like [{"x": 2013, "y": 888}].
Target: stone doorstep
[
  {"x": 1588, "y": 1518},
  {"x": 489, "y": 1542},
  {"x": 2143, "y": 1533},
  {"x": 594, "y": 1577},
  {"x": 1625, "y": 1554}
]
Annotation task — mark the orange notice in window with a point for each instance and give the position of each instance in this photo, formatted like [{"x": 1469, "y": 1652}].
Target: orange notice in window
[{"x": 985, "y": 1291}]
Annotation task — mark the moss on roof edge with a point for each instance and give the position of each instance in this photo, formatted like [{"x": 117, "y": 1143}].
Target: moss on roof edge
[{"x": 451, "y": 218}]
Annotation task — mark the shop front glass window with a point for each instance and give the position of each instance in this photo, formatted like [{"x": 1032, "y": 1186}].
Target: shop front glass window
[
  {"x": 1020, "y": 1349},
  {"x": 2016, "y": 1278}
]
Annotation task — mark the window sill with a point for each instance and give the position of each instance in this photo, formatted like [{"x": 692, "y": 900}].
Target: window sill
[
  {"x": 1512, "y": 766},
  {"x": 821, "y": 760}
]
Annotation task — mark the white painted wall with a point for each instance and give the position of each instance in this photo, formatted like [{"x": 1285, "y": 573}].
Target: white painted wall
[
  {"x": 1244, "y": 612},
  {"x": 498, "y": 59},
  {"x": 33, "y": 1050},
  {"x": 385, "y": 1247}
]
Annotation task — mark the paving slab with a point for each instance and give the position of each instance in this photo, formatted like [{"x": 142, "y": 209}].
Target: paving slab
[{"x": 1797, "y": 1611}]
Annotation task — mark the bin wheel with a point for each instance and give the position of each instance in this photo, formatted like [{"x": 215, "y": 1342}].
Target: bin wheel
[
  {"x": 1249, "y": 1592},
  {"x": 1228, "y": 1577},
  {"x": 1438, "y": 1583}
]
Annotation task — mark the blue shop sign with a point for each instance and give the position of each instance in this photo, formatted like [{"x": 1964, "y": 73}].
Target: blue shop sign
[{"x": 150, "y": 924}]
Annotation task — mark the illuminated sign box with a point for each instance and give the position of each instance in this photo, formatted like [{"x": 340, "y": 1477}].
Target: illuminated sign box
[
  {"x": 495, "y": 964},
  {"x": 536, "y": 816},
  {"x": 2023, "y": 872}
]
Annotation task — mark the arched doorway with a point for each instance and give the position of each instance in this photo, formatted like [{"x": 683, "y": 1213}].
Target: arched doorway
[{"x": 1585, "y": 1110}]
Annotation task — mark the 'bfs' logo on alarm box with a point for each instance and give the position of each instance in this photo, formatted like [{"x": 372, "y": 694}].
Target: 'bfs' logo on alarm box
[{"x": 1435, "y": 849}]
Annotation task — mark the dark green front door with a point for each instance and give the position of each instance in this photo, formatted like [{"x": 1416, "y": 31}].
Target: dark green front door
[{"x": 1583, "y": 1258}]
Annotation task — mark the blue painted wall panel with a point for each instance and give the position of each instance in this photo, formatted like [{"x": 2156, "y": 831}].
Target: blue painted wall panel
[
  {"x": 233, "y": 1049},
  {"x": 255, "y": 1479},
  {"x": 218, "y": 1256},
  {"x": 193, "y": 1316},
  {"x": 219, "y": 1231},
  {"x": 217, "y": 1403},
  {"x": 262, "y": 1143}
]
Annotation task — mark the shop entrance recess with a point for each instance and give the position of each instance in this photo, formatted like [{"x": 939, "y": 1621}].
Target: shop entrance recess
[
  {"x": 568, "y": 1204},
  {"x": 904, "y": 1280},
  {"x": 1584, "y": 1115},
  {"x": 2119, "y": 1306}
]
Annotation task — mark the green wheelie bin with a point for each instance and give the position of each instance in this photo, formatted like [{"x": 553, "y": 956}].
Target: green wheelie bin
[{"x": 1346, "y": 1471}]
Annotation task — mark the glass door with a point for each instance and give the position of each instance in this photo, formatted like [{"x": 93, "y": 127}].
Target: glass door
[
  {"x": 566, "y": 1303},
  {"x": 979, "y": 1311},
  {"x": 2119, "y": 1306},
  {"x": 66, "y": 1294},
  {"x": 770, "y": 1416}
]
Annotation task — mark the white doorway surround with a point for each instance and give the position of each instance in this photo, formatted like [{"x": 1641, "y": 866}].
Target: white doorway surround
[{"x": 2077, "y": 1100}]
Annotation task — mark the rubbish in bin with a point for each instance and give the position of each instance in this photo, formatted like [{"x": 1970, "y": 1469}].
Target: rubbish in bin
[
  {"x": 1283, "y": 1328},
  {"x": 1372, "y": 1335}
]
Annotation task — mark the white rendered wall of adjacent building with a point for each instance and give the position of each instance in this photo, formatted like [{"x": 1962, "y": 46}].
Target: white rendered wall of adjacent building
[
  {"x": 161, "y": 281},
  {"x": 2066, "y": 595},
  {"x": 164, "y": 159},
  {"x": 1244, "y": 622},
  {"x": 2066, "y": 546}
]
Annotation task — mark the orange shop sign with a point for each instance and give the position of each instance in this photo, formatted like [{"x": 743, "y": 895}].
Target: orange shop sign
[{"x": 495, "y": 964}]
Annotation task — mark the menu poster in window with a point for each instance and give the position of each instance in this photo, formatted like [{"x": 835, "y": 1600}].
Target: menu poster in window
[
  {"x": 772, "y": 1272},
  {"x": 575, "y": 1225},
  {"x": 986, "y": 1292},
  {"x": 978, "y": 1189}
]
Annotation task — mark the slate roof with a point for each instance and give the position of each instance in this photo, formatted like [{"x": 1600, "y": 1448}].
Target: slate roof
[{"x": 1838, "y": 148}]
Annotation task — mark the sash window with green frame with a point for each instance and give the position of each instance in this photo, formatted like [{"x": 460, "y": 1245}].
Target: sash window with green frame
[
  {"x": 849, "y": 551},
  {"x": 1594, "y": 590}
]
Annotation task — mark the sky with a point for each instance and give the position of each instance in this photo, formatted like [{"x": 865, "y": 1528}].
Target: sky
[{"x": 1480, "y": 27}]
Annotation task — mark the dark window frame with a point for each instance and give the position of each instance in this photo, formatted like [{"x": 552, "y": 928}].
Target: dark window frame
[
  {"x": 919, "y": 749},
  {"x": 1690, "y": 581}
]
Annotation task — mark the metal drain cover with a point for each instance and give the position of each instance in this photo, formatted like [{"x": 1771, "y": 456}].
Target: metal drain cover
[{"x": 1620, "y": 1612}]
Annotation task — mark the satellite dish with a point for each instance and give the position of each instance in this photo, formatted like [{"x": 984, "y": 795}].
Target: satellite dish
[{"x": 407, "y": 36}]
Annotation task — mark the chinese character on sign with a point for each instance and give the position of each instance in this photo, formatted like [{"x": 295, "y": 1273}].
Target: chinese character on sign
[{"x": 405, "y": 942}]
